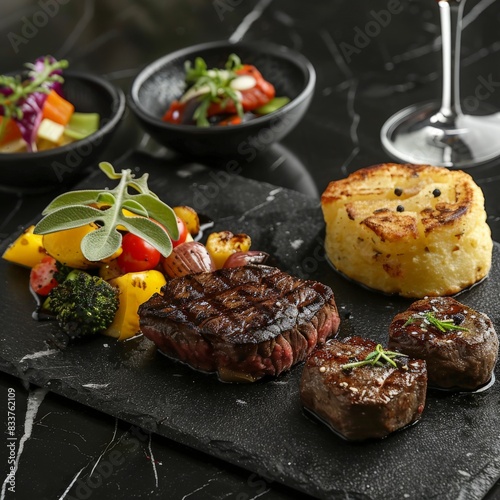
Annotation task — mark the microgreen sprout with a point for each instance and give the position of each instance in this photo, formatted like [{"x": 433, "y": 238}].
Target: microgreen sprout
[
  {"x": 378, "y": 357},
  {"x": 218, "y": 85},
  {"x": 19, "y": 89},
  {"x": 443, "y": 325}
]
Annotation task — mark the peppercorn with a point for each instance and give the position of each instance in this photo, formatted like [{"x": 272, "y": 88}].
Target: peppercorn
[
  {"x": 436, "y": 192},
  {"x": 398, "y": 191},
  {"x": 400, "y": 208},
  {"x": 458, "y": 318}
]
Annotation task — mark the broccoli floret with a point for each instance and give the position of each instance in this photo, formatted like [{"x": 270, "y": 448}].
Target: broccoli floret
[
  {"x": 83, "y": 304},
  {"x": 62, "y": 272}
]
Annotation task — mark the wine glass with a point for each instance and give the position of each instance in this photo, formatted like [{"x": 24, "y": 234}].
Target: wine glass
[{"x": 440, "y": 133}]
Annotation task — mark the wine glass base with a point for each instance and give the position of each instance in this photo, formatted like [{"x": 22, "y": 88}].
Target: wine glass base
[{"x": 417, "y": 135}]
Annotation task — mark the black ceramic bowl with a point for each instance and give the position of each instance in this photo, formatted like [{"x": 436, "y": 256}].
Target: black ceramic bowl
[
  {"x": 162, "y": 81},
  {"x": 49, "y": 169}
]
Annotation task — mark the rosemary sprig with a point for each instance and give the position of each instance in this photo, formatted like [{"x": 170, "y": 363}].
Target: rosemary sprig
[
  {"x": 443, "y": 325},
  {"x": 218, "y": 85},
  {"x": 378, "y": 357},
  {"x": 38, "y": 81}
]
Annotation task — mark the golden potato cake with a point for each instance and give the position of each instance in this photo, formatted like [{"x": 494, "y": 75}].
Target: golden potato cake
[{"x": 412, "y": 230}]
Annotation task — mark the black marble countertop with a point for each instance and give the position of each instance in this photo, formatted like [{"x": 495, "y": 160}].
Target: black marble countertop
[{"x": 367, "y": 69}]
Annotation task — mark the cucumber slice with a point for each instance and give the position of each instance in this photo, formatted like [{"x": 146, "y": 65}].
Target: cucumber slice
[
  {"x": 272, "y": 105},
  {"x": 81, "y": 125}
]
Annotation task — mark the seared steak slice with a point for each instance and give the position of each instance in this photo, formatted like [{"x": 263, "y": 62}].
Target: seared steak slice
[
  {"x": 363, "y": 402},
  {"x": 243, "y": 323},
  {"x": 462, "y": 356}
]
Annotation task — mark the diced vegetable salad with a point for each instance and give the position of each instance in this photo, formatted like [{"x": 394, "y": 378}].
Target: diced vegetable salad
[
  {"x": 34, "y": 115},
  {"x": 222, "y": 97}
]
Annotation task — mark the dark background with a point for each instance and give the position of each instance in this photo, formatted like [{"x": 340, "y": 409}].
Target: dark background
[{"x": 339, "y": 134}]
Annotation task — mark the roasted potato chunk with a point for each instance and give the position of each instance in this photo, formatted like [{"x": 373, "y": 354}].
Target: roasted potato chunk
[
  {"x": 189, "y": 217},
  {"x": 224, "y": 243}
]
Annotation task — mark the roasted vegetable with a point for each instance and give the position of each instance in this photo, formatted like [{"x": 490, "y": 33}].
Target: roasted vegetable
[
  {"x": 133, "y": 290},
  {"x": 189, "y": 216},
  {"x": 188, "y": 258},
  {"x": 27, "y": 250},
  {"x": 224, "y": 243},
  {"x": 110, "y": 270},
  {"x": 183, "y": 232},
  {"x": 83, "y": 304},
  {"x": 137, "y": 255},
  {"x": 42, "y": 276},
  {"x": 238, "y": 259}
]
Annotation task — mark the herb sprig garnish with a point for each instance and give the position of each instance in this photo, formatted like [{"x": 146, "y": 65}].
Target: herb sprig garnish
[
  {"x": 218, "y": 85},
  {"x": 38, "y": 81},
  {"x": 73, "y": 209},
  {"x": 378, "y": 357},
  {"x": 443, "y": 325}
]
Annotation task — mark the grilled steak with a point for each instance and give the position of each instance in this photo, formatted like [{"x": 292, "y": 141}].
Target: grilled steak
[
  {"x": 368, "y": 401},
  {"x": 243, "y": 323},
  {"x": 460, "y": 354}
]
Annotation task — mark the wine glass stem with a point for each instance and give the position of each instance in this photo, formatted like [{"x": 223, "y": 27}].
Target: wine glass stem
[{"x": 451, "y": 14}]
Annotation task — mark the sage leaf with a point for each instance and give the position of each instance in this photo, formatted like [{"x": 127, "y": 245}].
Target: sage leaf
[
  {"x": 101, "y": 243},
  {"x": 161, "y": 213},
  {"x": 67, "y": 218},
  {"x": 106, "y": 198},
  {"x": 108, "y": 169},
  {"x": 151, "y": 232},
  {"x": 135, "y": 207},
  {"x": 72, "y": 209},
  {"x": 84, "y": 197}
]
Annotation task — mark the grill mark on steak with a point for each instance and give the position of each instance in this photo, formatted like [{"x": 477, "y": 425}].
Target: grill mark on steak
[
  {"x": 270, "y": 304},
  {"x": 252, "y": 319}
]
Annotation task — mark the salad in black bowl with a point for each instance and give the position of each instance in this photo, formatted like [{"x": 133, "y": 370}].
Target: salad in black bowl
[
  {"x": 53, "y": 123},
  {"x": 220, "y": 98}
]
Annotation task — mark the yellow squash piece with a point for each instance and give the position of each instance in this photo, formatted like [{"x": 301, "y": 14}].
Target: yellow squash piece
[
  {"x": 64, "y": 246},
  {"x": 134, "y": 289},
  {"x": 224, "y": 243},
  {"x": 27, "y": 250}
]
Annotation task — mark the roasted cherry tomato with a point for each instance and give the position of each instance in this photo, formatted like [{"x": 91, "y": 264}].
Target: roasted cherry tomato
[
  {"x": 42, "y": 276},
  {"x": 138, "y": 254},
  {"x": 183, "y": 232}
]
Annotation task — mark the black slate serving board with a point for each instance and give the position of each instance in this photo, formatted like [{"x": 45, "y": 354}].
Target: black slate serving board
[{"x": 453, "y": 452}]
